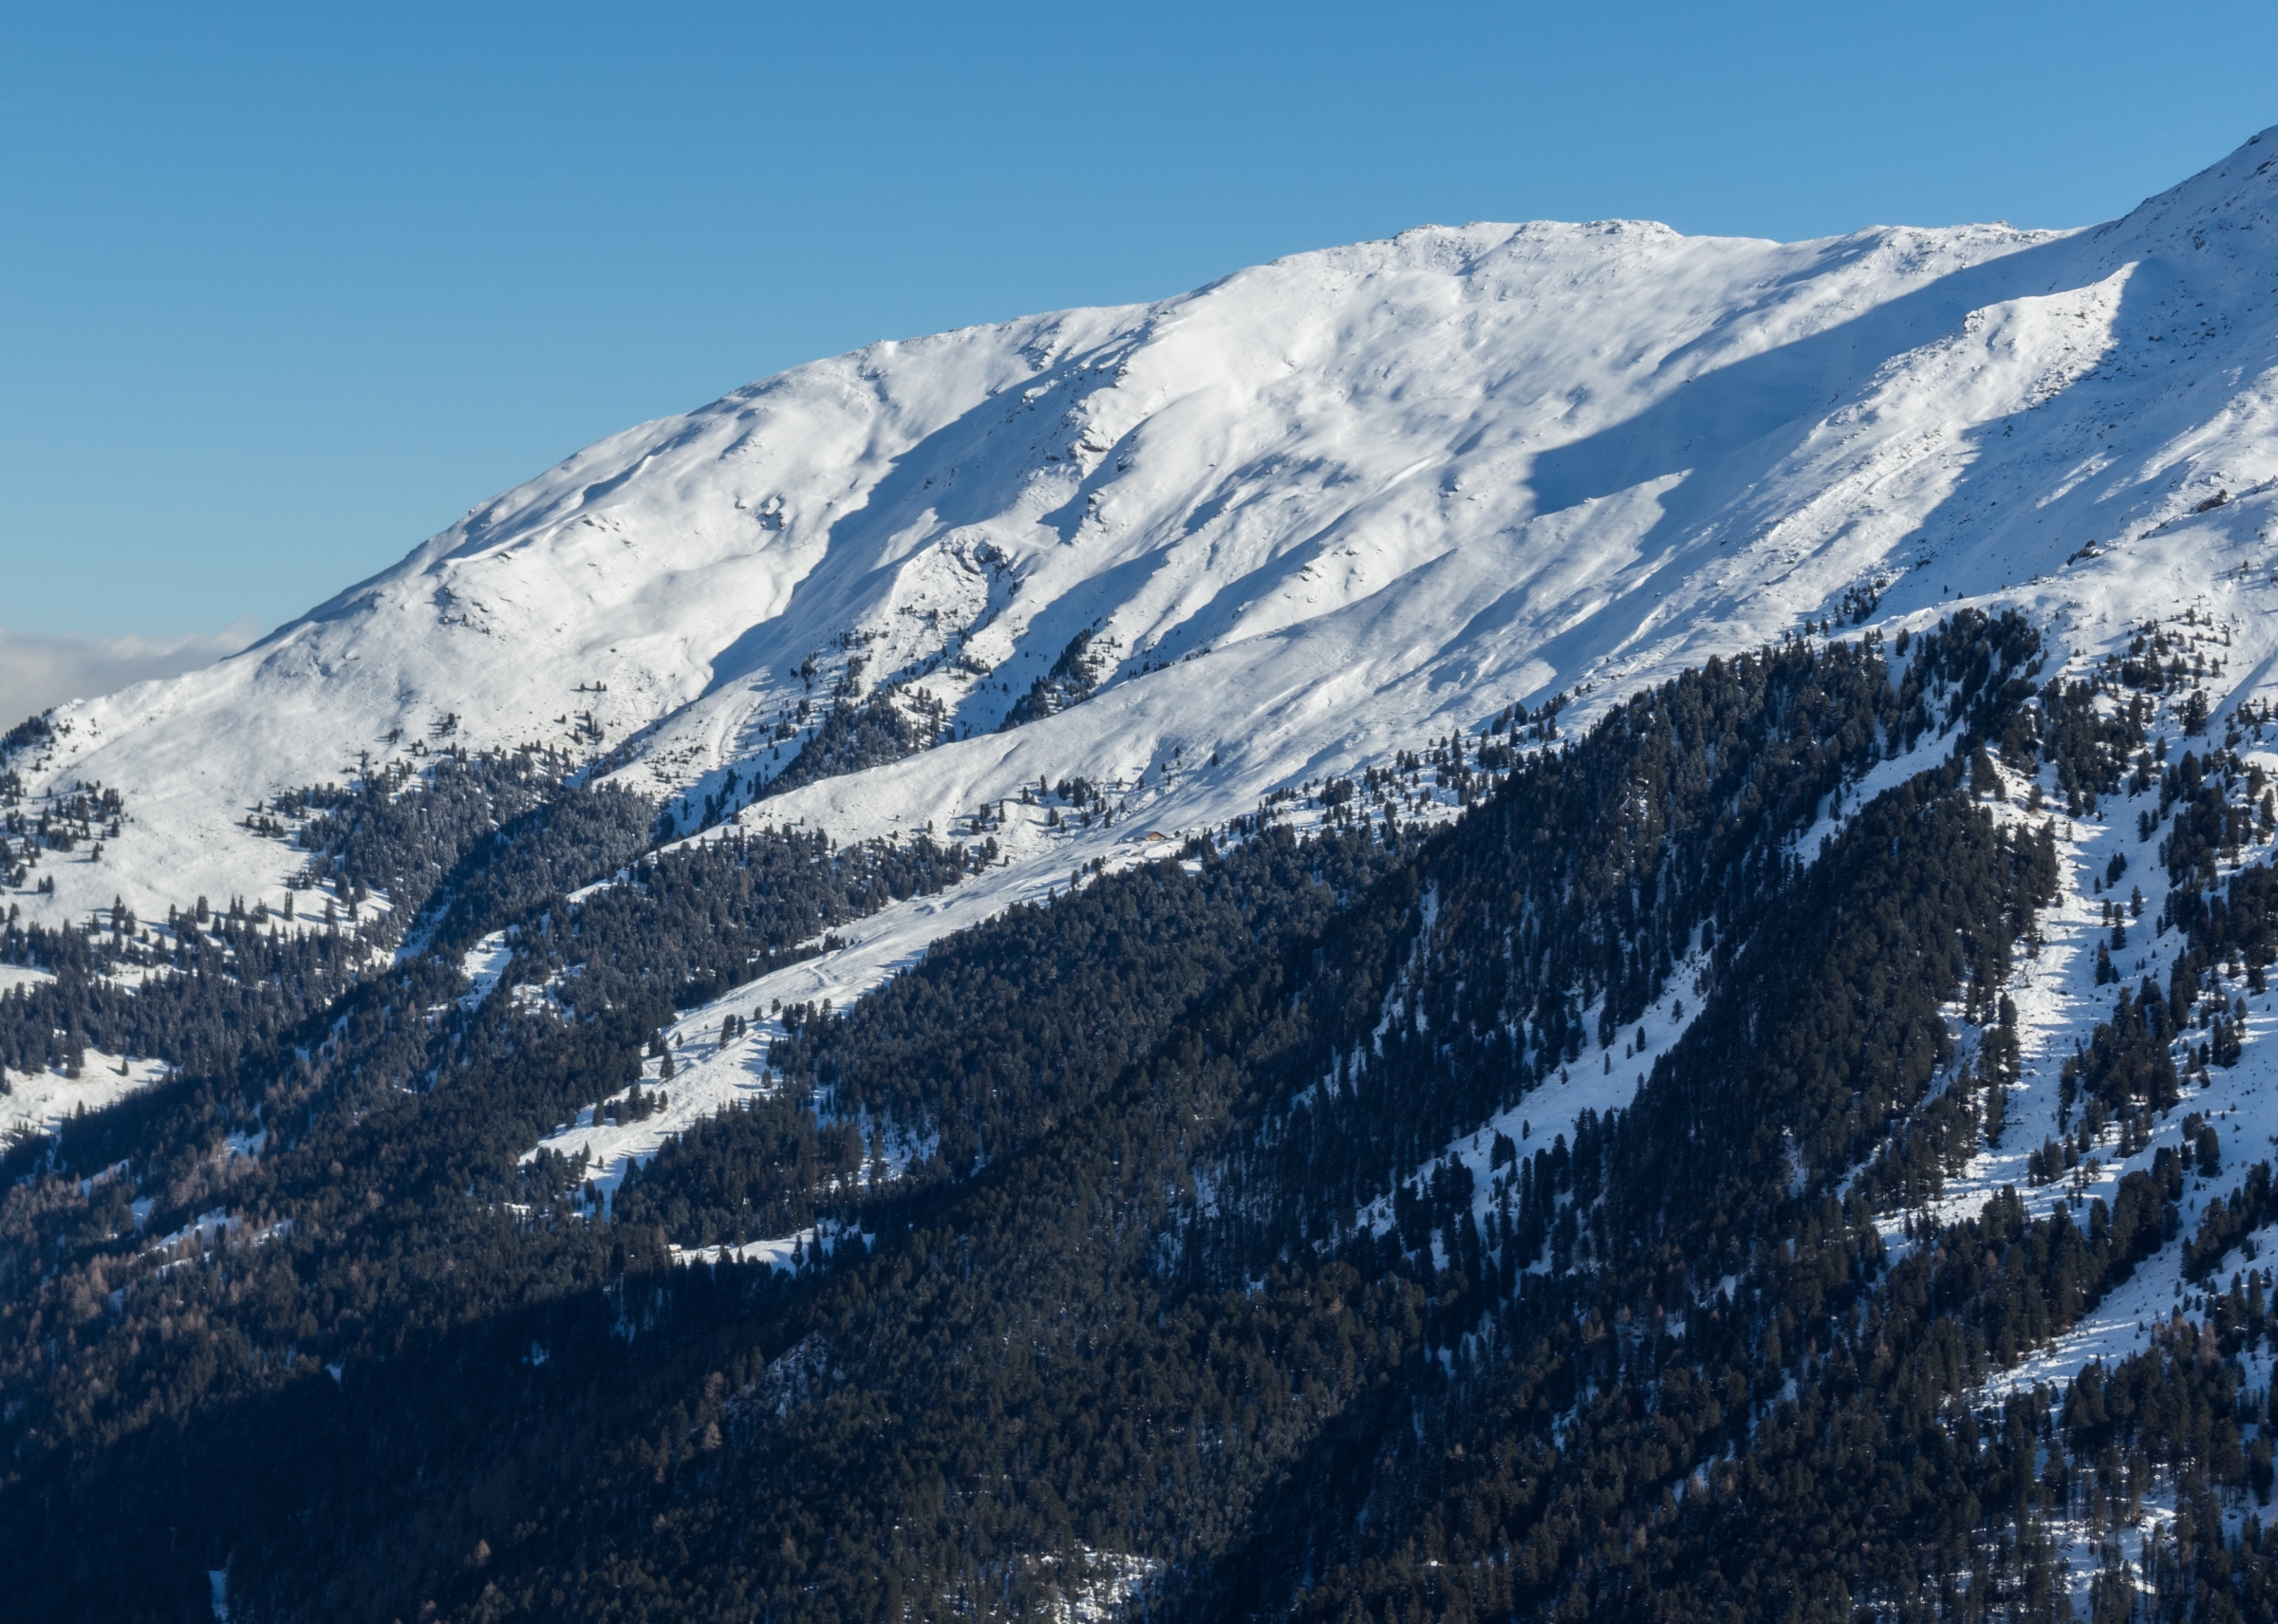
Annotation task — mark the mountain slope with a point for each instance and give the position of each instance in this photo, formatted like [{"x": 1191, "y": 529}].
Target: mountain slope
[
  {"x": 1537, "y": 922},
  {"x": 1324, "y": 506}
]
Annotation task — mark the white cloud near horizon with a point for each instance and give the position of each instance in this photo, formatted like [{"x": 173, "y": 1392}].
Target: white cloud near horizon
[{"x": 40, "y": 669}]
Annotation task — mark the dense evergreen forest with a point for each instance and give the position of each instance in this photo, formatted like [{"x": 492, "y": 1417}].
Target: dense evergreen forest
[{"x": 1178, "y": 1300}]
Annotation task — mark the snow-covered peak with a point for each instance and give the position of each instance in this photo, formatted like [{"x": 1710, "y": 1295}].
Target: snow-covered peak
[{"x": 1315, "y": 510}]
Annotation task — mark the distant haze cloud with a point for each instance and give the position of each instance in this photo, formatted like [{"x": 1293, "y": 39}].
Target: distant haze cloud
[{"x": 38, "y": 669}]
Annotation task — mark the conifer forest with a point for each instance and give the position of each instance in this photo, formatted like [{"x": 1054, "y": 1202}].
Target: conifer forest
[{"x": 1214, "y": 1239}]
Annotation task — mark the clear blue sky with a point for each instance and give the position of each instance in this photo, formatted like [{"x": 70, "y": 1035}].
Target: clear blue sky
[{"x": 284, "y": 289}]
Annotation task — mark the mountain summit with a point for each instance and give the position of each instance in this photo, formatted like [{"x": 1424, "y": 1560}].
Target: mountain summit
[{"x": 1288, "y": 520}]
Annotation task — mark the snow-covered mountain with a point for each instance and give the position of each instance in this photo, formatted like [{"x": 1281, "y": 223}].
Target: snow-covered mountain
[
  {"x": 1315, "y": 510},
  {"x": 1915, "y": 1113}
]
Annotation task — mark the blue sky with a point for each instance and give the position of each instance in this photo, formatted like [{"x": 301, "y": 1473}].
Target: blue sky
[{"x": 284, "y": 290}]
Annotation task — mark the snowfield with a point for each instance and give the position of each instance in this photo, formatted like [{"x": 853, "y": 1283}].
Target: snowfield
[{"x": 39, "y": 1102}]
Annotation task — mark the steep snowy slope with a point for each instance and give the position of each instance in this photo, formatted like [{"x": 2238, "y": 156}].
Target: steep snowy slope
[{"x": 1318, "y": 510}]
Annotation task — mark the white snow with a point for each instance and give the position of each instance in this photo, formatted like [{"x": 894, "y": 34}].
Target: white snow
[
  {"x": 483, "y": 965},
  {"x": 777, "y": 1254},
  {"x": 13, "y": 975},
  {"x": 40, "y": 1101},
  {"x": 1318, "y": 510}
]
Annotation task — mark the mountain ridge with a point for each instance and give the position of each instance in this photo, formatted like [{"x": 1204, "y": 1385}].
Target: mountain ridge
[{"x": 1502, "y": 461}]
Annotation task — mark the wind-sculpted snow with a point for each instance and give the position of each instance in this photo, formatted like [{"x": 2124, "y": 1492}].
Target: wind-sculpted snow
[{"x": 1324, "y": 507}]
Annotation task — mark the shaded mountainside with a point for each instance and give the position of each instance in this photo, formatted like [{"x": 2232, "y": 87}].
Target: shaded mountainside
[{"x": 1545, "y": 1214}]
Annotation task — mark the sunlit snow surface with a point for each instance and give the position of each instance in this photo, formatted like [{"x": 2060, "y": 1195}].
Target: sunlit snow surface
[
  {"x": 483, "y": 965},
  {"x": 40, "y": 1101},
  {"x": 1315, "y": 510}
]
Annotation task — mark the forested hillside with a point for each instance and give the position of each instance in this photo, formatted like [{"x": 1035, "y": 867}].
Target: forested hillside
[{"x": 1577, "y": 1207}]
